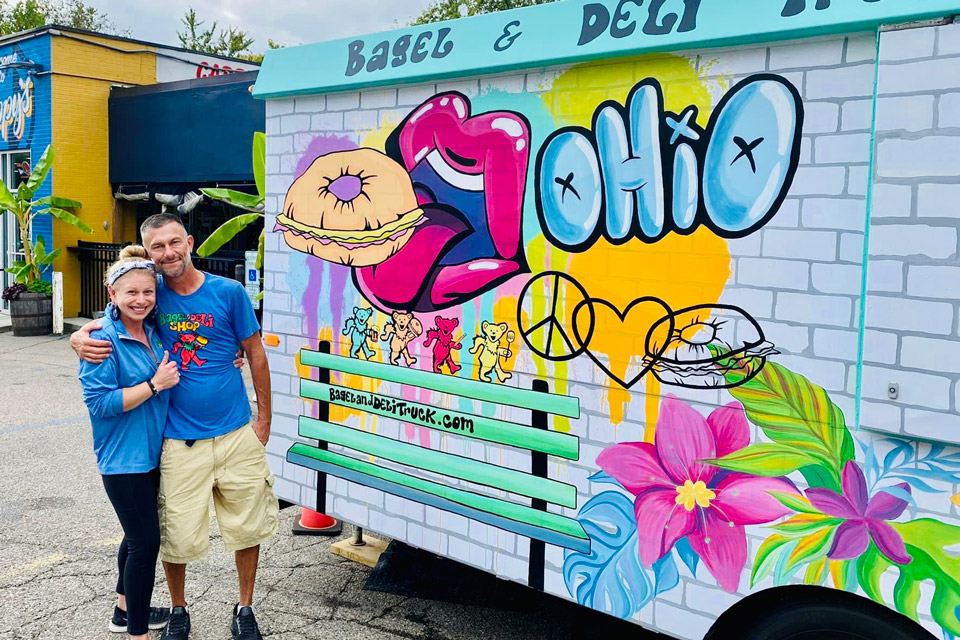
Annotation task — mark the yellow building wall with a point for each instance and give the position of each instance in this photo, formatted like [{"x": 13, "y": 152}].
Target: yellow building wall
[{"x": 82, "y": 76}]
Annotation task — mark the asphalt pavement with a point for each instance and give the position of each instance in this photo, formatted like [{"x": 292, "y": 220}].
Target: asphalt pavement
[{"x": 59, "y": 536}]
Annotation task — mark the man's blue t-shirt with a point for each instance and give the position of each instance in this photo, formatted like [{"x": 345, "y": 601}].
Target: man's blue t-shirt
[{"x": 202, "y": 332}]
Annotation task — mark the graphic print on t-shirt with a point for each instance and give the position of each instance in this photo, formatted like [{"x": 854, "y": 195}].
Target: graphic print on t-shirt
[{"x": 190, "y": 340}]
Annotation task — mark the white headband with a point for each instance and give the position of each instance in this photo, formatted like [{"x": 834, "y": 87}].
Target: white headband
[{"x": 129, "y": 266}]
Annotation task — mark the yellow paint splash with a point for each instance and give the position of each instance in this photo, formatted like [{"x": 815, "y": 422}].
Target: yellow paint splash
[
  {"x": 377, "y": 139},
  {"x": 680, "y": 270},
  {"x": 956, "y": 500},
  {"x": 576, "y": 94},
  {"x": 505, "y": 310},
  {"x": 547, "y": 257}
]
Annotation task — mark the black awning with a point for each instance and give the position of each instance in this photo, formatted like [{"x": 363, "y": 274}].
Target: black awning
[{"x": 198, "y": 131}]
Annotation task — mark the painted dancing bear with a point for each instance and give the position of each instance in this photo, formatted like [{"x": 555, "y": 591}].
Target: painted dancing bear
[
  {"x": 403, "y": 329},
  {"x": 360, "y": 334},
  {"x": 489, "y": 352},
  {"x": 441, "y": 337}
]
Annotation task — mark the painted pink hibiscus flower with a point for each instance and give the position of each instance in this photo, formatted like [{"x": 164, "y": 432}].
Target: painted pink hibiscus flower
[
  {"x": 864, "y": 520},
  {"x": 679, "y": 496}
]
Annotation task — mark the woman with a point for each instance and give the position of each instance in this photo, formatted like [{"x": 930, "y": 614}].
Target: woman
[{"x": 127, "y": 400}]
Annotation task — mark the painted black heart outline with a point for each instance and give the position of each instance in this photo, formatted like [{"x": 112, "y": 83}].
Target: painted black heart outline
[{"x": 649, "y": 358}]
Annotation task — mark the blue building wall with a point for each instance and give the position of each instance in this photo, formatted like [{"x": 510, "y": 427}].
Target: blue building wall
[{"x": 37, "y": 131}]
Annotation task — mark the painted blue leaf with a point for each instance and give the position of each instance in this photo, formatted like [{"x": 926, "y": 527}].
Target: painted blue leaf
[
  {"x": 946, "y": 462},
  {"x": 897, "y": 492},
  {"x": 870, "y": 463},
  {"x": 665, "y": 574},
  {"x": 935, "y": 451},
  {"x": 610, "y": 578},
  {"x": 602, "y": 477},
  {"x": 687, "y": 555},
  {"x": 916, "y": 483},
  {"x": 899, "y": 448},
  {"x": 931, "y": 474}
]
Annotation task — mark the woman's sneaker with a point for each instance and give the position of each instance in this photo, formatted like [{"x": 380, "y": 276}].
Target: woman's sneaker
[
  {"x": 179, "y": 626},
  {"x": 157, "y": 619}
]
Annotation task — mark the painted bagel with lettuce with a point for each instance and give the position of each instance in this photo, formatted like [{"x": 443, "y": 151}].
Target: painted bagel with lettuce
[{"x": 355, "y": 208}]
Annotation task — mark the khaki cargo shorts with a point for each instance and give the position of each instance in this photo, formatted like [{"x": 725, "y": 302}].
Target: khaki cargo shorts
[{"x": 233, "y": 469}]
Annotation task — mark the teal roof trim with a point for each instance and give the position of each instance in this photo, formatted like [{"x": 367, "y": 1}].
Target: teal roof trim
[{"x": 566, "y": 32}]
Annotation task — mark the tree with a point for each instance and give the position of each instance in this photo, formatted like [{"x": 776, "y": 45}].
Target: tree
[
  {"x": 21, "y": 15},
  {"x": 451, "y": 9},
  {"x": 257, "y": 58},
  {"x": 230, "y": 42}
]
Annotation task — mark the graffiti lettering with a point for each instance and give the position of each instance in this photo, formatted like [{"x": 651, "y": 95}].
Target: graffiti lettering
[
  {"x": 401, "y": 52},
  {"x": 505, "y": 41},
  {"x": 597, "y": 18},
  {"x": 642, "y": 173},
  {"x": 16, "y": 109},
  {"x": 796, "y": 7},
  {"x": 457, "y": 423},
  {"x": 402, "y": 410}
]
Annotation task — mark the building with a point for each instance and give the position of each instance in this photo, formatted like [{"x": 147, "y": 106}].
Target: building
[{"x": 54, "y": 88}]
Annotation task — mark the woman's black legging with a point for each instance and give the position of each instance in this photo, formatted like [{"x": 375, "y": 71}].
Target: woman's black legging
[{"x": 134, "y": 498}]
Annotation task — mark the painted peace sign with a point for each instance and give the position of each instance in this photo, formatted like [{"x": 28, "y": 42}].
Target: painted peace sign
[{"x": 545, "y": 316}]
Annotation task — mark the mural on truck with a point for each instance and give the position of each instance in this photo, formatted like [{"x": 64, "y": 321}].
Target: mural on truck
[{"x": 583, "y": 236}]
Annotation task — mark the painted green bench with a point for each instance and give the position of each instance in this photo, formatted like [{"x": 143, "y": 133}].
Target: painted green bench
[{"x": 532, "y": 520}]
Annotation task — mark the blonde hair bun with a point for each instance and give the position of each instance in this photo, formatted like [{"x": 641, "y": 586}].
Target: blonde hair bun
[
  {"x": 131, "y": 257},
  {"x": 133, "y": 251}
]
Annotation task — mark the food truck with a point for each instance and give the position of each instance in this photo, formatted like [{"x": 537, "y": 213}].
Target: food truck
[{"x": 651, "y": 306}]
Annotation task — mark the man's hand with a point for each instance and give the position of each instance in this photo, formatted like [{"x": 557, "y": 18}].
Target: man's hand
[
  {"x": 238, "y": 360},
  {"x": 262, "y": 429},
  {"x": 93, "y": 351}
]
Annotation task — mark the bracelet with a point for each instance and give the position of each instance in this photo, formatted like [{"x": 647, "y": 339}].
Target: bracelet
[{"x": 153, "y": 389}]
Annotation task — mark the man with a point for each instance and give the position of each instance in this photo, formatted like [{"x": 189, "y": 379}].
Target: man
[{"x": 210, "y": 444}]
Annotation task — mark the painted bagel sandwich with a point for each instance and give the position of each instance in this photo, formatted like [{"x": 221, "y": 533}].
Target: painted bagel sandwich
[{"x": 356, "y": 208}]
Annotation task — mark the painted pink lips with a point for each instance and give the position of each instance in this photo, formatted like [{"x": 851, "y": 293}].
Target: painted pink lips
[{"x": 469, "y": 175}]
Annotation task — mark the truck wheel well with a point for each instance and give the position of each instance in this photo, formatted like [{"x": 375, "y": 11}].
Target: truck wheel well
[{"x": 792, "y": 600}]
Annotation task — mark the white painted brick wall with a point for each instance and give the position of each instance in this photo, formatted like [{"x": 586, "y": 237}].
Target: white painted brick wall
[
  {"x": 914, "y": 291},
  {"x": 814, "y": 310},
  {"x": 939, "y": 201},
  {"x": 913, "y": 240}
]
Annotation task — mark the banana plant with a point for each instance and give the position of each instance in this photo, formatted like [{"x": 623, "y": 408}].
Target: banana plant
[
  {"x": 252, "y": 204},
  {"x": 24, "y": 208}
]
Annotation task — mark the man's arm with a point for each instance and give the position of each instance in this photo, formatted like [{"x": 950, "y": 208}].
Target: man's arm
[
  {"x": 260, "y": 371},
  {"x": 93, "y": 351}
]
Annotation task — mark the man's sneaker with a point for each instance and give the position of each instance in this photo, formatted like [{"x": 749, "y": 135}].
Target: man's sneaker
[
  {"x": 244, "y": 625},
  {"x": 157, "y": 619},
  {"x": 178, "y": 628}
]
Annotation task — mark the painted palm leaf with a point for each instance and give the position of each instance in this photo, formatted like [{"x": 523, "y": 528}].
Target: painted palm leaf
[
  {"x": 927, "y": 542},
  {"x": 799, "y": 415}
]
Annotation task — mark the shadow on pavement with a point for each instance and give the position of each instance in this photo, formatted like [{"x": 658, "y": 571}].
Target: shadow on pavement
[{"x": 410, "y": 572}]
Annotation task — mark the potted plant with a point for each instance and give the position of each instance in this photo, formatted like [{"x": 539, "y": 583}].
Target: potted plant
[{"x": 31, "y": 306}]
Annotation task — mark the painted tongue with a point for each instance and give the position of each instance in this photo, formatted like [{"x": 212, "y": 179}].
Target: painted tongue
[{"x": 399, "y": 279}]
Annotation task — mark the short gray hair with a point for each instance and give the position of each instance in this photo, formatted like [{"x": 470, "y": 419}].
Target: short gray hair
[{"x": 160, "y": 220}]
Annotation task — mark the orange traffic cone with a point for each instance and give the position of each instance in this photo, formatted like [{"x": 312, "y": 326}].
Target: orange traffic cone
[{"x": 312, "y": 523}]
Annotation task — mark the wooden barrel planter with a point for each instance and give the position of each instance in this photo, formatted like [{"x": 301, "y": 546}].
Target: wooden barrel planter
[{"x": 32, "y": 314}]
